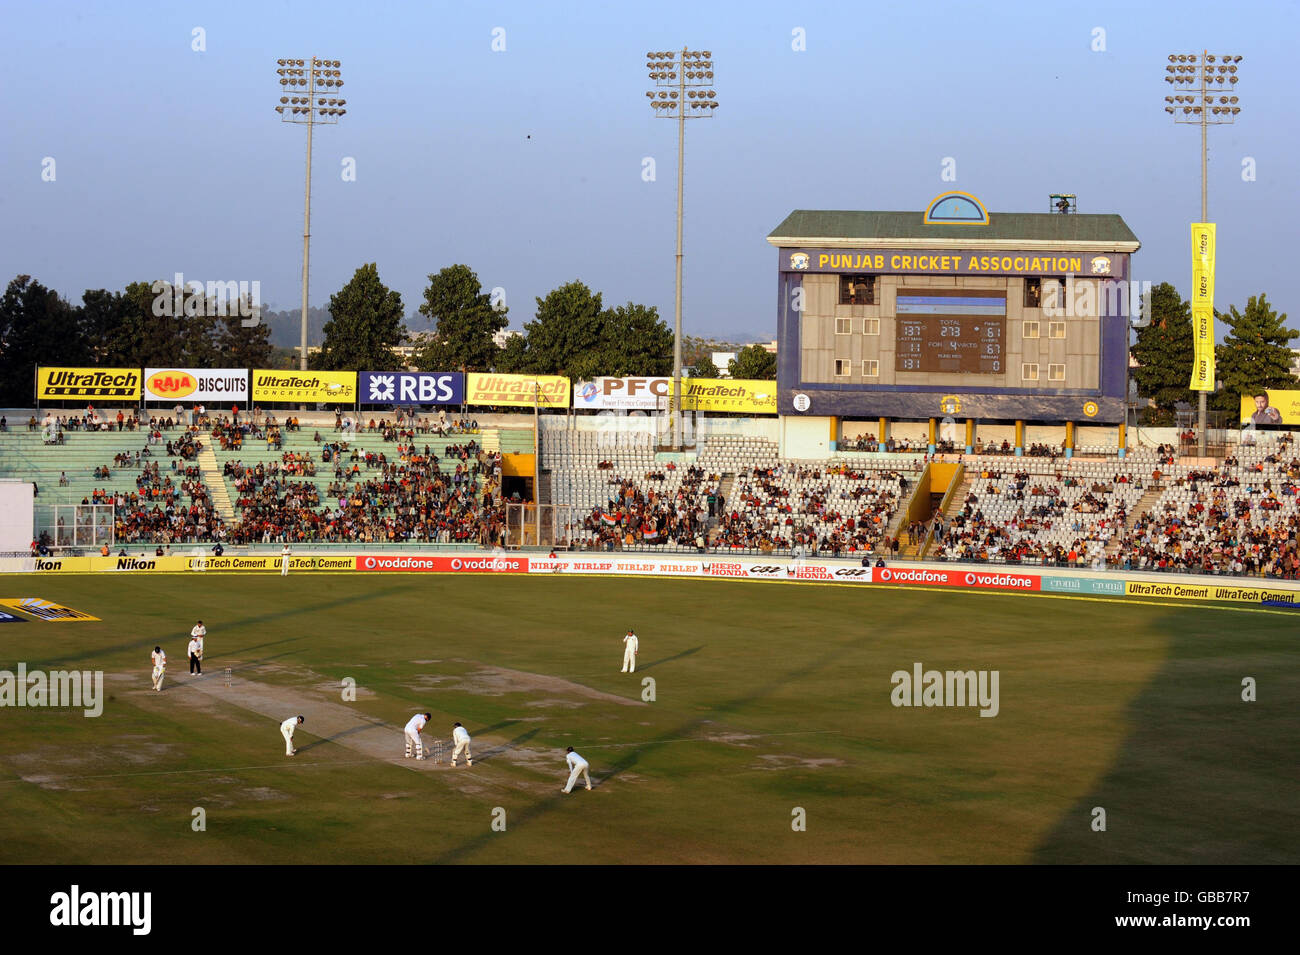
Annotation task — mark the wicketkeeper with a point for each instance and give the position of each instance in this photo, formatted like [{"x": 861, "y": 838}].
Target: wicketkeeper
[{"x": 460, "y": 736}]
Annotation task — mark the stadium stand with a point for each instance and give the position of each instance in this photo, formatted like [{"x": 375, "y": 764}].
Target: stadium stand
[{"x": 430, "y": 481}]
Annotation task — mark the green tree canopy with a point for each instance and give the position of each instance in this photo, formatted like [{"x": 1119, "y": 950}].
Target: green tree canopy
[
  {"x": 464, "y": 322},
  {"x": 565, "y": 337},
  {"x": 365, "y": 325},
  {"x": 1255, "y": 354},
  {"x": 1164, "y": 350},
  {"x": 244, "y": 346},
  {"x": 513, "y": 357},
  {"x": 705, "y": 368},
  {"x": 635, "y": 341},
  {"x": 753, "y": 362},
  {"x": 37, "y": 327}
]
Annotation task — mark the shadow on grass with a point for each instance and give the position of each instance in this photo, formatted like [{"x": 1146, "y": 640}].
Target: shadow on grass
[
  {"x": 506, "y": 747},
  {"x": 676, "y": 656},
  {"x": 1202, "y": 777},
  {"x": 633, "y": 755},
  {"x": 263, "y": 618}
]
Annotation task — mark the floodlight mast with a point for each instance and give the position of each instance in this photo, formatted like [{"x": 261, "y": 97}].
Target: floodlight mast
[
  {"x": 1184, "y": 71},
  {"x": 304, "y": 108},
  {"x": 684, "y": 90}
]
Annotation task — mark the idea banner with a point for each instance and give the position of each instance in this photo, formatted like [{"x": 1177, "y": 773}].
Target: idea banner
[{"x": 1203, "y": 236}]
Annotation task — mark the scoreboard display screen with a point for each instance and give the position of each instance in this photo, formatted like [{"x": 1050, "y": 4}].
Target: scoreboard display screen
[{"x": 950, "y": 330}]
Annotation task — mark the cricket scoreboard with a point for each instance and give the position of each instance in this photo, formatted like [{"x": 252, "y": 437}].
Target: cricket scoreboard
[
  {"x": 954, "y": 311},
  {"x": 950, "y": 331}
]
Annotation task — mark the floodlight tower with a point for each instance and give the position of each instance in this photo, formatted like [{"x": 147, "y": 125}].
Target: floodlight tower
[
  {"x": 684, "y": 90},
  {"x": 308, "y": 96},
  {"x": 1205, "y": 86}
]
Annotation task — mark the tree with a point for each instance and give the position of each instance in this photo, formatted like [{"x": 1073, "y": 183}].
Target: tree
[
  {"x": 37, "y": 327},
  {"x": 151, "y": 330},
  {"x": 464, "y": 322},
  {"x": 753, "y": 362},
  {"x": 245, "y": 346},
  {"x": 513, "y": 357},
  {"x": 1255, "y": 354},
  {"x": 635, "y": 341},
  {"x": 365, "y": 325},
  {"x": 705, "y": 368},
  {"x": 1164, "y": 352},
  {"x": 694, "y": 348},
  {"x": 566, "y": 336},
  {"x": 104, "y": 320}
]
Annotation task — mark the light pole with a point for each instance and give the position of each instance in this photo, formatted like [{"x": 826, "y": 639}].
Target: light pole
[
  {"x": 683, "y": 82},
  {"x": 1205, "y": 96},
  {"x": 308, "y": 96}
]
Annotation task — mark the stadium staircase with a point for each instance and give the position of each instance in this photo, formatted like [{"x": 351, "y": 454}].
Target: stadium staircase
[
  {"x": 1148, "y": 502},
  {"x": 220, "y": 494},
  {"x": 955, "y": 504},
  {"x": 725, "y": 487}
]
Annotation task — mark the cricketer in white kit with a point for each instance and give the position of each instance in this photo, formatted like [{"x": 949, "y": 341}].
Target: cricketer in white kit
[
  {"x": 577, "y": 767},
  {"x": 196, "y": 647},
  {"x": 285, "y": 553},
  {"x": 630, "y": 644},
  {"x": 159, "y": 667},
  {"x": 286, "y": 730},
  {"x": 460, "y": 736},
  {"x": 414, "y": 727}
]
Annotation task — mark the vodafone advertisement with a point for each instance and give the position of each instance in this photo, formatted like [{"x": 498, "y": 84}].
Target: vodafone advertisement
[
  {"x": 992, "y": 579},
  {"x": 595, "y": 565},
  {"x": 486, "y": 564}
]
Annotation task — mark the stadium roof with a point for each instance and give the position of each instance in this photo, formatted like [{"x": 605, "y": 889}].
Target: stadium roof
[{"x": 1005, "y": 230}]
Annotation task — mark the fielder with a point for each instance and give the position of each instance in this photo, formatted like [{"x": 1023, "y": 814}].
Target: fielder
[
  {"x": 285, "y": 553},
  {"x": 630, "y": 644},
  {"x": 286, "y": 730},
  {"x": 159, "y": 667},
  {"x": 577, "y": 766},
  {"x": 460, "y": 736},
  {"x": 414, "y": 727},
  {"x": 196, "y": 652}
]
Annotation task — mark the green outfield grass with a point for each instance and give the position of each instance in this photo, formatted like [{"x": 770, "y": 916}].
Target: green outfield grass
[{"x": 768, "y": 697}]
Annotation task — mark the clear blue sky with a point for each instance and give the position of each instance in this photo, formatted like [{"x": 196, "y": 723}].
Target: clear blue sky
[{"x": 173, "y": 160}]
